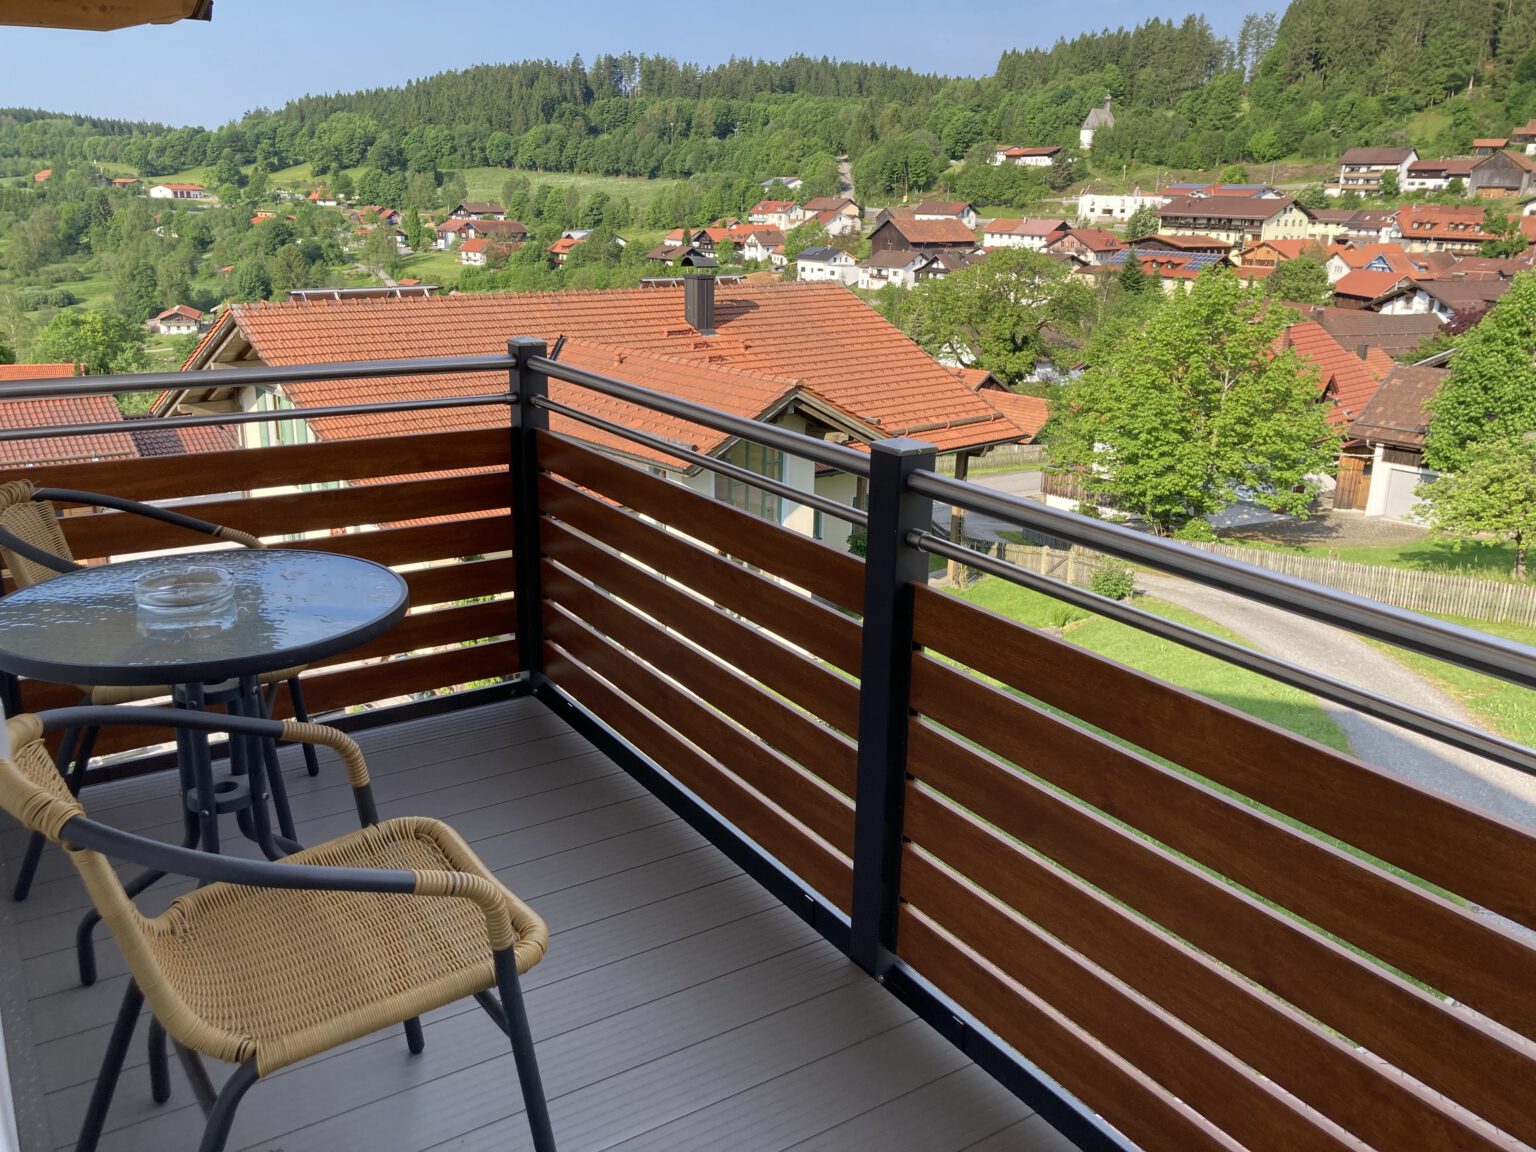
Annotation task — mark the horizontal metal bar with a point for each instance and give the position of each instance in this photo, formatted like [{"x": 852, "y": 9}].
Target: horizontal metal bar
[
  {"x": 710, "y": 463},
  {"x": 1479, "y": 651},
  {"x": 1505, "y": 752},
  {"x": 260, "y": 374},
  {"x": 838, "y": 456},
  {"x": 60, "y": 431}
]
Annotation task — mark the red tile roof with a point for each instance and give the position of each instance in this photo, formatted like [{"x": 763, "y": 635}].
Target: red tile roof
[
  {"x": 1490, "y": 142},
  {"x": 477, "y": 245},
  {"x": 184, "y": 187},
  {"x": 1347, "y": 380},
  {"x": 1028, "y": 412},
  {"x": 956, "y": 208},
  {"x": 821, "y": 336},
  {"x": 1361, "y": 285},
  {"x": 1025, "y": 227},
  {"x": 54, "y": 411},
  {"x": 947, "y": 230}
]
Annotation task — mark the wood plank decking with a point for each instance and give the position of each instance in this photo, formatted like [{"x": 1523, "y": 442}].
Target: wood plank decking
[{"x": 680, "y": 1006}]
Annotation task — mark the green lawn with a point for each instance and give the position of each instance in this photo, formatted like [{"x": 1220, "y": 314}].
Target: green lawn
[
  {"x": 485, "y": 184},
  {"x": 432, "y": 267},
  {"x": 1502, "y": 707},
  {"x": 1204, "y": 675}
]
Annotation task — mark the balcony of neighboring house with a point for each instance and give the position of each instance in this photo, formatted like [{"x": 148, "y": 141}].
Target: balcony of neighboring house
[{"x": 831, "y": 859}]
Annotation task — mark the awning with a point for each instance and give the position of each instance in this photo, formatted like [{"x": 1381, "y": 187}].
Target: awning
[{"x": 101, "y": 15}]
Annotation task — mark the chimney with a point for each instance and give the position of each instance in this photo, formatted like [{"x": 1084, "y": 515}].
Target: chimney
[
  {"x": 699, "y": 303},
  {"x": 1363, "y": 351}
]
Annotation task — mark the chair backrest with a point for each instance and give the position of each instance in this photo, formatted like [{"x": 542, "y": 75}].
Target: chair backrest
[
  {"x": 31, "y": 788},
  {"x": 35, "y": 522}
]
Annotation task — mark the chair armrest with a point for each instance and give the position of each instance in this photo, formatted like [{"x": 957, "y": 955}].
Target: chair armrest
[
  {"x": 40, "y": 556},
  {"x": 149, "y": 511}
]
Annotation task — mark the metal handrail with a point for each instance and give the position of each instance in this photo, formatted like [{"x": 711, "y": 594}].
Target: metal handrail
[{"x": 1478, "y": 651}]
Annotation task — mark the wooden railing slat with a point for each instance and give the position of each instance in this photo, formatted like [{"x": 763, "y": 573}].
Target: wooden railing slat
[
  {"x": 833, "y": 575},
  {"x": 1427, "y": 834},
  {"x": 1387, "y": 1111}
]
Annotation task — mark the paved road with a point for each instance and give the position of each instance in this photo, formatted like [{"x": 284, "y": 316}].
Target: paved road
[{"x": 1335, "y": 653}]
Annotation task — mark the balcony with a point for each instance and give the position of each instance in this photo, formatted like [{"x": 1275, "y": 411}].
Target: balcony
[{"x": 832, "y": 859}]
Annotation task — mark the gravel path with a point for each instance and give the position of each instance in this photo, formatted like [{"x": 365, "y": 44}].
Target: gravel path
[{"x": 1328, "y": 650}]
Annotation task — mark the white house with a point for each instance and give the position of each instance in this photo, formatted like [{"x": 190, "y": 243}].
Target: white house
[
  {"x": 827, "y": 264},
  {"x": 961, "y": 210},
  {"x": 837, "y": 215},
  {"x": 895, "y": 266},
  {"x": 1016, "y": 233},
  {"x": 180, "y": 320},
  {"x": 179, "y": 192},
  {"x": 1024, "y": 157},
  {"x": 766, "y": 245},
  {"x": 780, "y": 214},
  {"x": 473, "y": 251},
  {"x": 449, "y": 233},
  {"x": 1361, "y": 169},
  {"x": 1115, "y": 207}
]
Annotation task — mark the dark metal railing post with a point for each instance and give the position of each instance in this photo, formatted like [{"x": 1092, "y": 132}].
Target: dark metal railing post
[
  {"x": 891, "y": 568},
  {"x": 525, "y": 385}
]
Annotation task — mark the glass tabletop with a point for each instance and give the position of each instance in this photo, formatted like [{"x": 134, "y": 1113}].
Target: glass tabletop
[{"x": 288, "y": 607}]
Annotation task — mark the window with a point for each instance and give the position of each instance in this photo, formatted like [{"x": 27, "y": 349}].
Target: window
[{"x": 764, "y": 461}]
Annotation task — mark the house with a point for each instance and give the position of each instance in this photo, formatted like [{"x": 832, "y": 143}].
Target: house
[
  {"x": 475, "y": 251},
  {"x": 42, "y": 177},
  {"x": 1109, "y": 207},
  {"x": 51, "y": 412},
  {"x": 179, "y": 192},
  {"x": 1251, "y": 191},
  {"x": 894, "y": 267},
  {"x": 938, "y": 265},
  {"x": 792, "y": 183},
  {"x": 1436, "y": 175},
  {"x": 1524, "y": 138},
  {"x": 374, "y": 213},
  {"x": 837, "y": 215},
  {"x": 1488, "y": 145},
  {"x": 322, "y": 198},
  {"x": 682, "y": 256},
  {"x": 1096, "y": 121},
  {"x": 1041, "y": 157},
  {"x": 180, "y": 320},
  {"x": 1504, "y": 175},
  {"x": 123, "y": 182},
  {"x": 827, "y": 264},
  {"x": 1357, "y": 226},
  {"x": 764, "y": 245},
  {"x": 780, "y": 214},
  {"x": 808, "y": 357},
  {"x": 449, "y": 232},
  {"x": 1361, "y": 288},
  {"x": 1346, "y": 381},
  {"x": 1452, "y": 299},
  {"x": 1239, "y": 221},
  {"x": 1443, "y": 228},
  {"x": 1190, "y": 245},
  {"x": 1269, "y": 253},
  {"x": 961, "y": 210},
  {"x": 1360, "y": 170},
  {"x": 507, "y": 231},
  {"x": 1173, "y": 270},
  {"x": 1021, "y": 233},
  {"x": 906, "y": 234},
  {"x": 476, "y": 210},
  {"x": 1360, "y": 331},
  {"x": 1346, "y": 258},
  {"x": 1393, "y": 426},
  {"x": 1084, "y": 245}
]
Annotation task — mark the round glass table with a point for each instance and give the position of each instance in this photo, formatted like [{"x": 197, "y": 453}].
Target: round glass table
[{"x": 283, "y": 608}]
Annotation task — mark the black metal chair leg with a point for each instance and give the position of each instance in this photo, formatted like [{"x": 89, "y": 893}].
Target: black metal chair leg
[
  {"x": 66, "y": 762},
  {"x": 414, "y": 1040},
  {"x": 301, "y": 714},
  {"x": 516, "y": 1016},
  {"x": 222, "y": 1116},
  {"x": 159, "y": 1063},
  {"x": 111, "y": 1067}
]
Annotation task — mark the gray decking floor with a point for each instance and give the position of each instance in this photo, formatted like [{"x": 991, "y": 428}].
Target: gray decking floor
[{"x": 679, "y": 1007}]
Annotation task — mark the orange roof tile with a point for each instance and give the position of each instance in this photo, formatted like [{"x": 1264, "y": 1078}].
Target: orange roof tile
[
  {"x": 1347, "y": 380},
  {"x": 1362, "y": 285},
  {"x": 1028, "y": 412},
  {"x": 819, "y": 335},
  {"x": 55, "y": 411}
]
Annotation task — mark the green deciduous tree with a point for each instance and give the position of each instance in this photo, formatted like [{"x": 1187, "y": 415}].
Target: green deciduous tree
[
  {"x": 1142, "y": 222},
  {"x": 105, "y": 342},
  {"x": 1197, "y": 411},
  {"x": 1491, "y": 389},
  {"x": 1005, "y": 314},
  {"x": 251, "y": 281},
  {"x": 1492, "y": 498},
  {"x": 1300, "y": 281}
]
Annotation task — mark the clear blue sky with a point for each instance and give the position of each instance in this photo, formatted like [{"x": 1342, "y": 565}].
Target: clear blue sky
[{"x": 261, "y": 53}]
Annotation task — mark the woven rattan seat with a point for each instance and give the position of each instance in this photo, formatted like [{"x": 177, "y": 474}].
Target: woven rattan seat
[
  {"x": 350, "y": 963},
  {"x": 275, "y": 962}
]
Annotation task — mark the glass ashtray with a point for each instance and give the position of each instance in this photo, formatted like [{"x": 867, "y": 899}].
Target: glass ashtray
[{"x": 194, "y": 591}]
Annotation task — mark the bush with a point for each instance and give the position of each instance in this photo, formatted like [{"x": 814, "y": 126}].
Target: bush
[
  {"x": 1198, "y": 529},
  {"x": 1113, "y": 581},
  {"x": 60, "y": 274},
  {"x": 858, "y": 542},
  {"x": 36, "y": 298}
]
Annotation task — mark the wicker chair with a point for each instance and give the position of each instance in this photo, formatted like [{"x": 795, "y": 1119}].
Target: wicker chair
[
  {"x": 34, "y": 549},
  {"x": 271, "y": 963}
]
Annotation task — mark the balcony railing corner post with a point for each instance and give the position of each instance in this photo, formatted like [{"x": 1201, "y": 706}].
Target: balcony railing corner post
[
  {"x": 892, "y": 568},
  {"x": 525, "y": 385}
]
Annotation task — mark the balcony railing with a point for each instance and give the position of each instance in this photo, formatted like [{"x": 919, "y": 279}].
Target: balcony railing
[{"x": 1162, "y": 922}]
